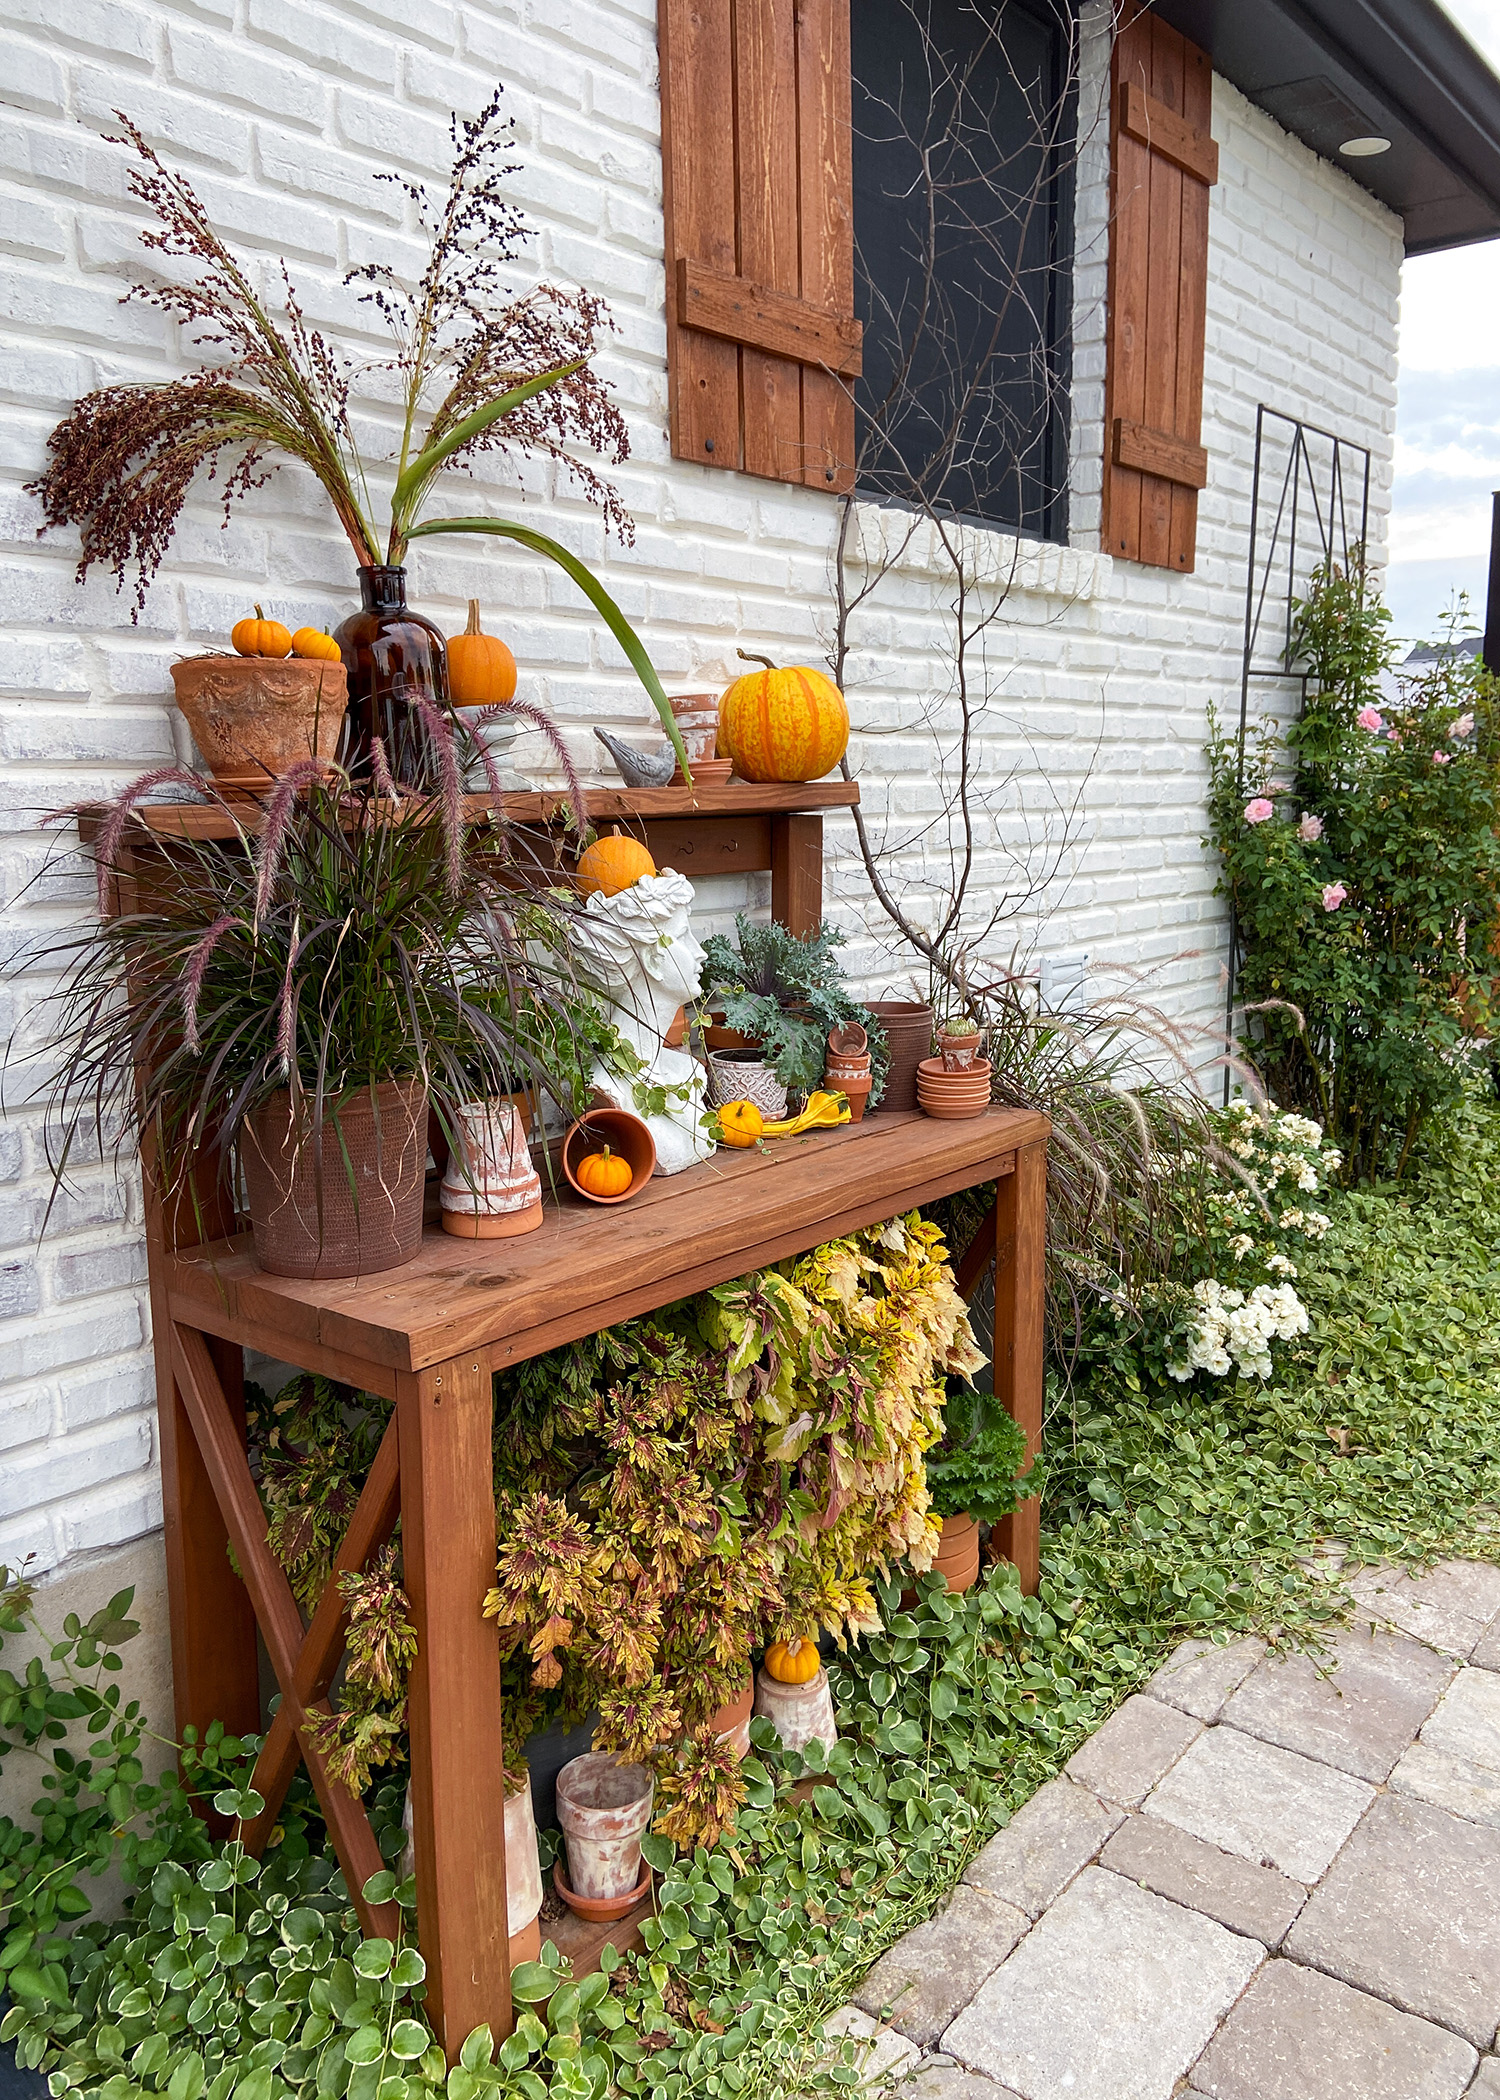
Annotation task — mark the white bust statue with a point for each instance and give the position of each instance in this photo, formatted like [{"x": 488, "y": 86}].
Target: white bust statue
[{"x": 640, "y": 952}]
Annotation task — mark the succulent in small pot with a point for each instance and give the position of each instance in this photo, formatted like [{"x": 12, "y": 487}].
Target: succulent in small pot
[{"x": 958, "y": 1045}]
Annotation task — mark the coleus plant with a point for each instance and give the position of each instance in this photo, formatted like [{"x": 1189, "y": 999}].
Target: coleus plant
[{"x": 475, "y": 369}]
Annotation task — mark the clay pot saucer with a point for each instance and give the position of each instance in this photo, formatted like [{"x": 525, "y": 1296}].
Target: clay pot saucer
[
  {"x": 707, "y": 772},
  {"x": 601, "y": 1909}
]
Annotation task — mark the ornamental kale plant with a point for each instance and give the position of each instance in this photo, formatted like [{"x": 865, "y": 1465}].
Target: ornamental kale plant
[
  {"x": 1360, "y": 852},
  {"x": 785, "y": 992}
]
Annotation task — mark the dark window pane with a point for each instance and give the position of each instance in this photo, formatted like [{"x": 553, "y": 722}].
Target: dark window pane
[{"x": 964, "y": 126}]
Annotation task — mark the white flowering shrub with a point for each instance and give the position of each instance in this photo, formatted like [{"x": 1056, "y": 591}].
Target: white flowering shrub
[{"x": 1238, "y": 1294}]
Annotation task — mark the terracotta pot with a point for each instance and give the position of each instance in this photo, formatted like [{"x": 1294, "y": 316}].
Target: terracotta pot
[
  {"x": 908, "y": 1029},
  {"x": 957, "y": 1556},
  {"x": 676, "y": 1035},
  {"x": 314, "y": 1212},
  {"x": 707, "y": 772},
  {"x": 493, "y": 1192},
  {"x": 732, "y": 1721},
  {"x": 797, "y": 1712},
  {"x": 604, "y": 1808},
  {"x": 526, "y": 1945},
  {"x": 742, "y": 1075},
  {"x": 717, "y": 1037},
  {"x": 625, "y": 1134},
  {"x": 857, "y": 1093},
  {"x": 837, "y": 1069},
  {"x": 253, "y": 717},
  {"x": 958, "y": 1048},
  {"x": 849, "y": 1040}
]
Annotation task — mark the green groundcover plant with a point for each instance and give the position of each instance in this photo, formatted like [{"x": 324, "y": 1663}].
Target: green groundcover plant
[
  {"x": 1360, "y": 851},
  {"x": 1172, "y": 1507}
]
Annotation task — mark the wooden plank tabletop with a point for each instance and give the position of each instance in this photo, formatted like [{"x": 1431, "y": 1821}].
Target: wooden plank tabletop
[
  {"x": 590, "y": 1266},
  {"x": 730, "y": 798}
]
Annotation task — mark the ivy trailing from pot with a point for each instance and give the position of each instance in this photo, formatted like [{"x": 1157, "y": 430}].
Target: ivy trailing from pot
[{"x": 476, "y": 369}]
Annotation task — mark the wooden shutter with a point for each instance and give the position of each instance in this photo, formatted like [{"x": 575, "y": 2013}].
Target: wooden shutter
[
  {"x": 1163, "y": 162},
  {"x": 762, "y": 343}
]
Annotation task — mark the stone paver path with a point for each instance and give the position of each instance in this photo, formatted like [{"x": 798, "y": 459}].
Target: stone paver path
[{"x": 1263, "y": 1879}]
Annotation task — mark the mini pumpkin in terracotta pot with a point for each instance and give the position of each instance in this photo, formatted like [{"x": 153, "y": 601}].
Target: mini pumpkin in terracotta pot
[{"x": 255, "y": 714}]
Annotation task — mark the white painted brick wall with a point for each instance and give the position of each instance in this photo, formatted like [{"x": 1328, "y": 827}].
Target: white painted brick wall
[{"x": 283, "y": 113}]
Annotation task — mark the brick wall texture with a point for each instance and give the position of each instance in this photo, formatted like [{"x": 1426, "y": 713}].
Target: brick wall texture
[{"x": 1098, "y": 673}]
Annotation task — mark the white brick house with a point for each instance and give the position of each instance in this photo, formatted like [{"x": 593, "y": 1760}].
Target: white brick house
[{"x": 282, "y": 113}]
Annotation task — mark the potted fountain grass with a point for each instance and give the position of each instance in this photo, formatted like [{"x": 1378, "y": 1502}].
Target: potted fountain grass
[{"x": 293, "y": 1004}]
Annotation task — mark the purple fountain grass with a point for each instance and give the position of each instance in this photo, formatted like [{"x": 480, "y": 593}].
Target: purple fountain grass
[
  {"x": 549, "y": 729},
  {"x": 197, "y": 970},
  {"x": 279, "y": 813},
  {"x": 440, "y": 731}
]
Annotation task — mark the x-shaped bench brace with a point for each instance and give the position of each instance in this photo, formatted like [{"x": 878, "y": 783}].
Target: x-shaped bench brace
[{"x": 304, "y": 1664}]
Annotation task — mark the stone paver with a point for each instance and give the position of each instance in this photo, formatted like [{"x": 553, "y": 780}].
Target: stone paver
[
  {"x": 1487, "y": 1655},
  {"x": 1254, "y": 1900},
  {"x": 1266, "y": 1804},
  {"x": 1043, "y": 1846},
  {"x": 943, "y": 2079},
  {"x": 888, "y": 2058},
  {"x": 931, "y": 1974},
  {"x": 1111, "y": 1997},
  {"x": 1296, "y": 2035},
  {"x": 1356, "y": 1707},
  {"x": 1455, "y": 1763},
  {"x": 1125, "y": 1758},
  {"x": 1411, "y": 1912},
  {"x": 1450, "y": 1607},
  {"x": 1487, "y": 2085},
  {"x": 1200, "y": 1676}
]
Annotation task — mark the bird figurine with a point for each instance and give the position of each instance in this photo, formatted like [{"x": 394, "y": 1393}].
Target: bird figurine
[{"x": 639, "y": 769}]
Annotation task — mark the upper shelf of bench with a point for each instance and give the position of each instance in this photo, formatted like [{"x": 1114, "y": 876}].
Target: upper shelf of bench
[
  {"x": 733, "y": 798},
  {"x": 588, "y": 1267}
]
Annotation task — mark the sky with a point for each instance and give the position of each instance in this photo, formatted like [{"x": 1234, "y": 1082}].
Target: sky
[{"x": 1448, "y": 412}]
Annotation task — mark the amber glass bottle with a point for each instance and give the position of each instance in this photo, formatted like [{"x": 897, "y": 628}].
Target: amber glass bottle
[{"x": 392, "y": 656}]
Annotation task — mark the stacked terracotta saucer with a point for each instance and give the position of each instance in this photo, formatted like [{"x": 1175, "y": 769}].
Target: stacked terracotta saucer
[{"x": 953, "y": 1096}]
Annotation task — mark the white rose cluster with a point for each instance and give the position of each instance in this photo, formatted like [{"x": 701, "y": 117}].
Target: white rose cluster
[{"x": 1233, "y": 1332}]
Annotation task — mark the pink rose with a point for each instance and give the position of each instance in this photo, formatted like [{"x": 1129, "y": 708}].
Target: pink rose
[
  {"x": 1277, "y": 787},
  {"x": 1334, "y": 894},
  {"x": 1370, "y": 718},
  {"x": 1463, "y": 727},
  {"x": 1310, "y": 830},
  {"x": 1442, "y": 758},
  {"x": 1257, "y": 810}
]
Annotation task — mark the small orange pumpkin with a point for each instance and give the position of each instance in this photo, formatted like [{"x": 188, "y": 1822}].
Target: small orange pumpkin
[
  {"x": 613, "y": 864},
  {"x": 313, "y": 642},
  {"x": 261, "y": 637},
  {"x": 481, "y": 669},
  {"x": 793, "y": 1662},
  {"x": 740, "y": 1123},
  {"x": 604, "y": 1173},
  {"x": 783, "y": 725}
]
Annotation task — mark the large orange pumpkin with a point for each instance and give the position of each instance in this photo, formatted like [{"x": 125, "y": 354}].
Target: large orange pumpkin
[
  {"x": 481, "y": 669},
  {"x": 783, "y": 725}
]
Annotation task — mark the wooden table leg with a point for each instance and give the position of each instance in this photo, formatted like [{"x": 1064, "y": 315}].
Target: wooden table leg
[
  {"x": 215, "y": 1668},
  {"x": 444, "y": 1422},
  {"x": 797, "y": 873},
  {"x": 1020, "y": 1283}
]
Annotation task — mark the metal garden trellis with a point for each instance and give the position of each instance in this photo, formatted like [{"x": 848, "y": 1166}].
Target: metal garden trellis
[{"x": 1294, "y": 529}]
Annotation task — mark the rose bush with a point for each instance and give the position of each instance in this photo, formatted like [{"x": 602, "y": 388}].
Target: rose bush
[{"x": 1365, "y": 889}]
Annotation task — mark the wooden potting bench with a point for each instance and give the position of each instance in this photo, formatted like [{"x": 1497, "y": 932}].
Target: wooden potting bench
[{"x": 430, "y": 1336}]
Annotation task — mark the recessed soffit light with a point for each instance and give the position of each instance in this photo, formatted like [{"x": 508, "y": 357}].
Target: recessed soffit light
[{"x": 1364, "y": 149}]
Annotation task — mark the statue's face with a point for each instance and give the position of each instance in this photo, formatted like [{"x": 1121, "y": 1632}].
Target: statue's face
[{"x": 652, "y": 917}]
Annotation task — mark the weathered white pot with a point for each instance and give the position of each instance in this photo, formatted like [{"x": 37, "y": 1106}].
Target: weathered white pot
[
  {"x": 492, "y": 1191},
  {"x": 604, "y": 1808},
  {"x": 523, "y": 1866},
  {"x": 797, "y": 1712}
]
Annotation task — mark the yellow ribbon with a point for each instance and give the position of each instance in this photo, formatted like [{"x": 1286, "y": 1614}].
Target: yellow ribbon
[{"x": 823, "y": 1112}]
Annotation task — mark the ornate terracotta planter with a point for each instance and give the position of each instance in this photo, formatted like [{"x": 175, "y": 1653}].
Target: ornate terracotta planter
[{"x": 253, "y": 717}]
